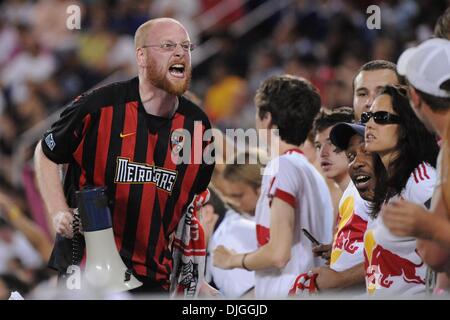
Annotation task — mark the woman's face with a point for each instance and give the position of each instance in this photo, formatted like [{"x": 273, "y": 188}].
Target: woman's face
[
  {"x": 243, "y": 196},
  {"x": 381, "y": 138}
]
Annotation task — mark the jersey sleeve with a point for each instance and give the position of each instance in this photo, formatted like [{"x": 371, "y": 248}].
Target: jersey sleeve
[
  {"x": 420, "y": 186},
  {"x": 62, "y": 139},
  {"x": 208, "y": 160},
  {"x": 285, "y": 184}
]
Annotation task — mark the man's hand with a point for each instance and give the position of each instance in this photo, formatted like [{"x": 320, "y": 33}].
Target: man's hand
[
  {"x": 223, "y": 258},
  {"x": 327, "y": 278},
  {"x": 62, "y": 222},
  {"x": 404, "y": 219},
  {"x": 323, "y": 251}
]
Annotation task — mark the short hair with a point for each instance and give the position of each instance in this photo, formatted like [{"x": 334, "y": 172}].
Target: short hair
[
  {"x": 374, "y": 65},
  {"x": 141, "y": 33},
  {"x": 247, "y": 172},
  {"x": 144, "y": 29},
  {"x": 324, "y": 119},
  {"x": 293, "y": 102},
  {"x": 435, "y": 103},
  {"x": 442, "y": 27}
]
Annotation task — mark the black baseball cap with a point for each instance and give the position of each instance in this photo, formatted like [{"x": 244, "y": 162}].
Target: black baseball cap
[{"x": 341, "y": 133}]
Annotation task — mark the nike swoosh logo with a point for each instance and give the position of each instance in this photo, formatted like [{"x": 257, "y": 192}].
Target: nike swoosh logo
[{"x": 126, "y": 135}]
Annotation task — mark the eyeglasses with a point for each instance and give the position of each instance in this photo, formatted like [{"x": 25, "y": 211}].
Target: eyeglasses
[
  {"x": 380, "y": 117},
  {"x": 170, "y": 46}
]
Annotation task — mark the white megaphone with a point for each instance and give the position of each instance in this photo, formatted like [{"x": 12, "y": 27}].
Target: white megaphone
[{"x": 104, "y": 269}]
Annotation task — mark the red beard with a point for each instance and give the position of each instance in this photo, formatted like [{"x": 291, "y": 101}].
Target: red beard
[{"x": 159, "y": 79}]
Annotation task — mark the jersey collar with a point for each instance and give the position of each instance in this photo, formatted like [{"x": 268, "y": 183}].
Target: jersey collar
[{"x": 293, "y": 150}]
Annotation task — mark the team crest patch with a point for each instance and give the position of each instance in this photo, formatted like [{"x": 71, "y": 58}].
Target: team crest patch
[
  {"x": 50, "y": 142},
  {"x": 142, "y": 173},
  {"x": 177, "y": 140}
]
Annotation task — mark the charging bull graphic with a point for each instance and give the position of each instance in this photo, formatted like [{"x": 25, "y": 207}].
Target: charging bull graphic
[
  {"x": 383, "y": 265},
  {"x": 350, "y": 231}
]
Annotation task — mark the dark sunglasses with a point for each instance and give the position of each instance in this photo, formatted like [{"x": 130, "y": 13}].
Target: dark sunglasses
[{"x": 380, "y": 117}]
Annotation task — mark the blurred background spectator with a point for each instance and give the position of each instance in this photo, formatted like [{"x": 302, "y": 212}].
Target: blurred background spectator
[{"x": 43, "y": 65}]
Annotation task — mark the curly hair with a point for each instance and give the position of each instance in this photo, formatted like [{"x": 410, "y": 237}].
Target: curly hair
[
  {"x": 293, "y": 102},
  {"x": 415, "y": 144}
]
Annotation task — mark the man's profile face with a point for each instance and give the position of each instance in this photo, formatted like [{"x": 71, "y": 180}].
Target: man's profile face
[
  {"x": 243, "y": 196},
  {"x": 169, "y": 70},
  {"x": 366, "y": 87},
  {"x": 361, "y": 167},
  {"x": 333, "y": 161}
]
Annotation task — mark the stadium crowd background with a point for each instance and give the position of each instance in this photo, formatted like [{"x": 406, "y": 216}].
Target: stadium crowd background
[{"x": 43, "y": 65}]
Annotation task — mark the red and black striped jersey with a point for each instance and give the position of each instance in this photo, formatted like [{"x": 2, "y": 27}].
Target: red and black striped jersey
[{"x": 108, "y": 139}]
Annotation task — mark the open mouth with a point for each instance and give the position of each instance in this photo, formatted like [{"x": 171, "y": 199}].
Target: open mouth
[
  {"x": 177, "y": 70},
  {"x": 361, "y": 181},
  {"x": 325, "y": 165},
  {"x": 370, "y": 137}
]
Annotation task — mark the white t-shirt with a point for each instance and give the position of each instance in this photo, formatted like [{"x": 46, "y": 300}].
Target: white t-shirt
[
  {"x": 348, "y": 243},
  {"x": 238, "y": 233},
  {"x": 393, "y": 265},
  {"x": 293, "y": 179}
]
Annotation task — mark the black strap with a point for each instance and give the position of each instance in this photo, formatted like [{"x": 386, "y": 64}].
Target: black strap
[{"x": 247, "y": 291}]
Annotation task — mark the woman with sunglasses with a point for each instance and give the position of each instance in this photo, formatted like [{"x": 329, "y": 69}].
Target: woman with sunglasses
[{"x": 408, "y": 156}]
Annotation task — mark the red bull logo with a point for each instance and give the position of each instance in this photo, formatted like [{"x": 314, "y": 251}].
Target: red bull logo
[
  {"x": 350, "y": 231},
  {"x": 382, "y": 265},
  {"x": 351, "y": 235}
]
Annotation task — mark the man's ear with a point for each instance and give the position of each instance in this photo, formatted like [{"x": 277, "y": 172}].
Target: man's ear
[
  {"x": 267, "y": 120},
  {"x": 140, "y": 57}
]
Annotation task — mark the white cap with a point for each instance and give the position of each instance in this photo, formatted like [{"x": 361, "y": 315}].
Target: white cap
[{"x": 427, "y": 66}]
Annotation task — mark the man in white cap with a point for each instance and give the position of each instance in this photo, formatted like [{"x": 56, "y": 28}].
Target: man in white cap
[{"x": 427, "y": 71}]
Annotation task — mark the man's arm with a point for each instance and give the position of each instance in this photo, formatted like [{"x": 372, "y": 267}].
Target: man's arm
[
  {"x": 50, "y": 187},
  {"x": 276, "y": 253},
  {"x": 26, "y": 226},
  {"x": 435, "y": 251},
  {"x": 404, "y": 218},
  {"x": 328, "y": 278}
]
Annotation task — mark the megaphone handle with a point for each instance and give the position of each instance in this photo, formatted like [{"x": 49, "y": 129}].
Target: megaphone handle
[
  {"x": 76, "y": 247},
  {"x": 128, "y": 274}
]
